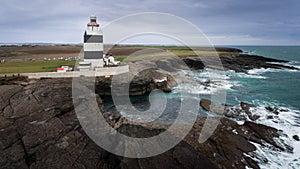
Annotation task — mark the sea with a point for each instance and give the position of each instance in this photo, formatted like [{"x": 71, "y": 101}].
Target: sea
[{"x": 277, "y": 88}]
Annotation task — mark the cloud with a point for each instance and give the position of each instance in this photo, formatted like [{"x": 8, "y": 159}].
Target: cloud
[{"x": 263, "y": 21}]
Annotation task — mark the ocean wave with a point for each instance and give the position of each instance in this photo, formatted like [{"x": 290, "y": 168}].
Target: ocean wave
[
  {"x": 286, "y": 122},
  {"x": 244, "y": 75},
  {"x": 206, "y": 82},
  {"x": 198, "y": 88},
  {"x": 259, "y": 71},
  {"x": 213, "y": 74},
  {"x": 290, "y": 63}
]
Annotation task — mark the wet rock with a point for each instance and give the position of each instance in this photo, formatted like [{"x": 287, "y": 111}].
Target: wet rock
[
  {"x": 194, "y": 63},
  {"x": 205, "y": 104},
  {"x": 14, "y": 156},
  {"x": 37, "y": 134},
  {"x": 235, "y": 60},
  {"x": 208, "y": 105},
  {"x": 228, "y": 110},
  {"x": 143, "y": 83},
  {"x": 244, "y": 62},
  {"x": 246, "y": 107},
  {"x": 47, "y": 134},
  {"x": 273, "y": 110},
  {"x": 113, "y": 118},
  {"x": 224, "y": 147},
  {"x": 257, "y": 133},
  {"x": 7, "y": 91}
]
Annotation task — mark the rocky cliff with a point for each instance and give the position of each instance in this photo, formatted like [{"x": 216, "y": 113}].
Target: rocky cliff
[{"x": 39, "y": 128}]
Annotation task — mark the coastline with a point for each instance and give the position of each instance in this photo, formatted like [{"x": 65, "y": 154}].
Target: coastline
[{"x": 52, "y": 112}]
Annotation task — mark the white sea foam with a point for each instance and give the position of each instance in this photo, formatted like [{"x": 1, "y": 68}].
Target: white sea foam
[
  {"x": 291, "y": 64},
  {"x": 197, "y": 88},
  {"x": 160, "y": 80},
  {"x": 259, "y": 71},
  {"x": 207, "y": 81},
  {"x": 254, "y": 76},
  {"x": 286, "y": 121}
]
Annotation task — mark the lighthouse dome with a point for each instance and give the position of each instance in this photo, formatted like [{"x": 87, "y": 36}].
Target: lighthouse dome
[{"x": 93, "y": 19}]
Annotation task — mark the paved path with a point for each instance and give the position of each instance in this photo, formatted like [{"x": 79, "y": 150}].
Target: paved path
[{"x": 106, "y": 71}]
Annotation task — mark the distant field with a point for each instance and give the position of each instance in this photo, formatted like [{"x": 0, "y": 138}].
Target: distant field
[
  {"x": 36, "y": 52},
  {"x": 33, "y": 66},
  {"x": 25, "y": 59},
  {"x": 130, "y": 53}
]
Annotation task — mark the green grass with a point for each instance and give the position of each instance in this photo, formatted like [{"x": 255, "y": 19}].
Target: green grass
[
  {"x": 180, "y": 51},
  {"x": 33, "y": 66},
  {"x": 120, "y": 58},
  {"x": 166, "y": 54}
]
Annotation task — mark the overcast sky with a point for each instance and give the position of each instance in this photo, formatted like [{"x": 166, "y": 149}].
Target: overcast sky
[{"x": 224, "y": 22}]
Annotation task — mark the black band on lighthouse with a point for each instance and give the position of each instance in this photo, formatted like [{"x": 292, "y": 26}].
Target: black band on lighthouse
[
  {"x": 93, "y": 54},
  {"x": 93, "y": 39}
]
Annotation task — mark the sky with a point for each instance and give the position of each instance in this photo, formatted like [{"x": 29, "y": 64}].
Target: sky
[{"x": 223, "y": 22}]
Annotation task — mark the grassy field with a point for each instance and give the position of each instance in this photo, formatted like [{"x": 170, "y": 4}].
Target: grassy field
[
  {"x": 121, "y": 53},
  {"x": 131, "y": 53},
  {"x": 33, "y": 66},
  {"x": 167, "y": 54}
]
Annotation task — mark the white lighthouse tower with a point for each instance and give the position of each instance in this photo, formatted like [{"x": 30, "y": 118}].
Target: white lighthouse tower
[{"x": 93, "y": 46}]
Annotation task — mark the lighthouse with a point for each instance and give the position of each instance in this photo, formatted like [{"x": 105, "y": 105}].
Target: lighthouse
[{"x": 93, "y": 46}]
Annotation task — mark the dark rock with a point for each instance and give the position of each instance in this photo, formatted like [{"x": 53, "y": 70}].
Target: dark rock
[
  {"x": 47, "y": 134},
  {"x": 14, "y": 156},
  {"x": 224, "y": 148},
  {"x": 205, "y": 104},
  {"x": 246, "y": 107},
  {"x": 213, "y": 107},
  {"x": 194, "y": 63},
  {"x": 232, "y": 50},
  {"x": 255, "y": 132},
  {"x": 254, "y": 117},
  {"x": 244, "y": 62},
  {"x": 15, "y": 80},
  {"x": 296, "y": 137},
  {"x": 113, "y": 118},
  {"x": 251, "y": 163},
  {"x": 273, "y": 110},
  {"x": 39, "y": 129},
  {"x": 7, "y": 91},
  {"x": 228, "y": 110},
  {"x": 142, "y": 84}
]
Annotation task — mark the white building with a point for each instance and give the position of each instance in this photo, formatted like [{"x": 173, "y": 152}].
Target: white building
[{"x": 93, "y": 46}]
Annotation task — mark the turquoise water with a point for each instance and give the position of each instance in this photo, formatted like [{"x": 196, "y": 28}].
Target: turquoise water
[
  {"x": 290, "y": 53},
  {"x": 281, "y": 88},
  {"x": 261, "y": 87}
]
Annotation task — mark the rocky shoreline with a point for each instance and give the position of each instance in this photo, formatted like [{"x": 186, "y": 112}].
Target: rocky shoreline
[
  {"x": 39, "y": 127},
  {"x": 239, "y": 62}
]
